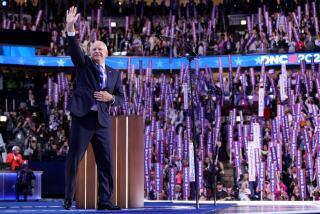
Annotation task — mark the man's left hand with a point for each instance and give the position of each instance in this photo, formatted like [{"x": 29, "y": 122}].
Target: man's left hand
[{"x": 103, "y": 96}]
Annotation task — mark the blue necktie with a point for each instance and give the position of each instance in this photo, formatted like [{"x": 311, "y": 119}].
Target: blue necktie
[{"x": 101, "y": 72}]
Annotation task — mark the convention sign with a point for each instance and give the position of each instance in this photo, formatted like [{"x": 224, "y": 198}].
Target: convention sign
[{"x": 167, "y": 63}]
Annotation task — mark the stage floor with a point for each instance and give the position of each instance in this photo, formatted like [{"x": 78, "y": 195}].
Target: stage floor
[
  {"x": 168, "y": 207},
  {"x": 272, "y": 207},
  {"x": 55, "y": 206}
]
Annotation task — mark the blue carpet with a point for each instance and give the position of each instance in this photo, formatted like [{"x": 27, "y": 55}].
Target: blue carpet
[{"x": 55, "y": 206}]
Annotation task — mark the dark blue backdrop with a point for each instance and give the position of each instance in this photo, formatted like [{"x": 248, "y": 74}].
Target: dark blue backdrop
[{"x": 52, "y": 177}]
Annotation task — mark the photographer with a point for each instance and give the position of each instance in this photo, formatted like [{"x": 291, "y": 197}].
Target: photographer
[
  {"x": 27, "y": 148},
  {"x": 41, "y": 133},
  {"x": 20, "y": 133},
  {"x": 63, "y": 151}
]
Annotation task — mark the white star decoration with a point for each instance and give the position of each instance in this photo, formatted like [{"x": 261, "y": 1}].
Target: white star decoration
[
  {"x": 238, "y": 61},
  {"x": 122, "y": 63},
  {"x": 21, "y": 60},
  {"x": 60, "y": 62},
  {"x": 41, "y": 62},
  {"x": 258, "y": 60}
]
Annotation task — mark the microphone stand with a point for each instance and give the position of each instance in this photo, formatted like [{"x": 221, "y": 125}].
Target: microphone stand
[
  {"x": 190, "y": 57},
  {"x": 215, "y": 165}
]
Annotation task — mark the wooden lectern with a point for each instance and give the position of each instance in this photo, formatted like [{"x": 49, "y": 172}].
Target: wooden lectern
[{"x": 128, "y": 157}]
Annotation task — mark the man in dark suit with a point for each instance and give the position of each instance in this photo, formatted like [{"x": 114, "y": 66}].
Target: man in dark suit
[
  {"x": 97, "y": 88},
  {"x": 24, "y": 185}
]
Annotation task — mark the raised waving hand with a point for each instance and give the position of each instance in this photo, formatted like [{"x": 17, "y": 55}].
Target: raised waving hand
[{"x": 71, "y": 18}]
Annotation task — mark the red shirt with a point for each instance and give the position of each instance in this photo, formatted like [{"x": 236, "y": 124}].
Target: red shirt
[
  {"x": 14, "y": 162},
  {"x": 178, "y": 179},
  {"x": 299, "y": 46}
]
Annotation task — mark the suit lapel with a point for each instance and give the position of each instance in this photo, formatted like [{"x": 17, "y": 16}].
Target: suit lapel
[
  {"x": 96, "y": 74},
  {"x": 109, "y": 76}
]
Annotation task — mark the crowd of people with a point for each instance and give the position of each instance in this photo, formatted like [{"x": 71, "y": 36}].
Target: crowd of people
[
  {"x": 228, "y": 111},
  {"x": 38, "y": 131},
  {"x": 263, "y": 122},
  {"x": 164, "y": 29}
]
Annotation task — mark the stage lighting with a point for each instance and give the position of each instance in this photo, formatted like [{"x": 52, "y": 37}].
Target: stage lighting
[
  {"x": 243, "y": 22},
  {"x": 3, "y": 118},
  {"x": 4, "y": 3},
  {"x": 113, "y": 24}
]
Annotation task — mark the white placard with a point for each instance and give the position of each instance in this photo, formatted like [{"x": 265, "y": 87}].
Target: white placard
[
  {"x": 261, "y": 102},
  {"x": 251, "y": 161},
  {"x": 185, "y": 96},
  {"x": 256, "y": 135},
  {"x": 191, "y": 163},
  {"x": 283, "y": 68},
  {"x": 282, "y": 83}
]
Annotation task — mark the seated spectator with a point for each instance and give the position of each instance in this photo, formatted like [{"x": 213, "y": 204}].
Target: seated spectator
[
  {"x": 316, "y": 194},
  {"x": 202, "y": 197},
  {"x": 14, "y": 158},
  {"x": 230, "y": 194},
  {"x": 295, "y": 195},
  {"x": 281, "y": 193},
  {"x": 309, "y": 43},
  {"x": 291, "y": 48},
  {"x": 300, "y": 46},
  {"x": 221, "y": 194},
  {"x": 244, "y": 192},
  {"x": 267, "y": 194}
]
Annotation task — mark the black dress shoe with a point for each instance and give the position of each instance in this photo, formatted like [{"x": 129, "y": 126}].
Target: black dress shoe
[
  {"x": 67, "y": 204},
  {"x": 108, "y": 207}
]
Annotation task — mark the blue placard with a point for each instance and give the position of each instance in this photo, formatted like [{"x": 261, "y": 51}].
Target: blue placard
[{"x": 164, "y": 63}]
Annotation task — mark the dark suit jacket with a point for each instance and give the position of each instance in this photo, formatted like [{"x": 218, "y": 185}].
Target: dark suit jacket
[{"x": 87, "y": 82}]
